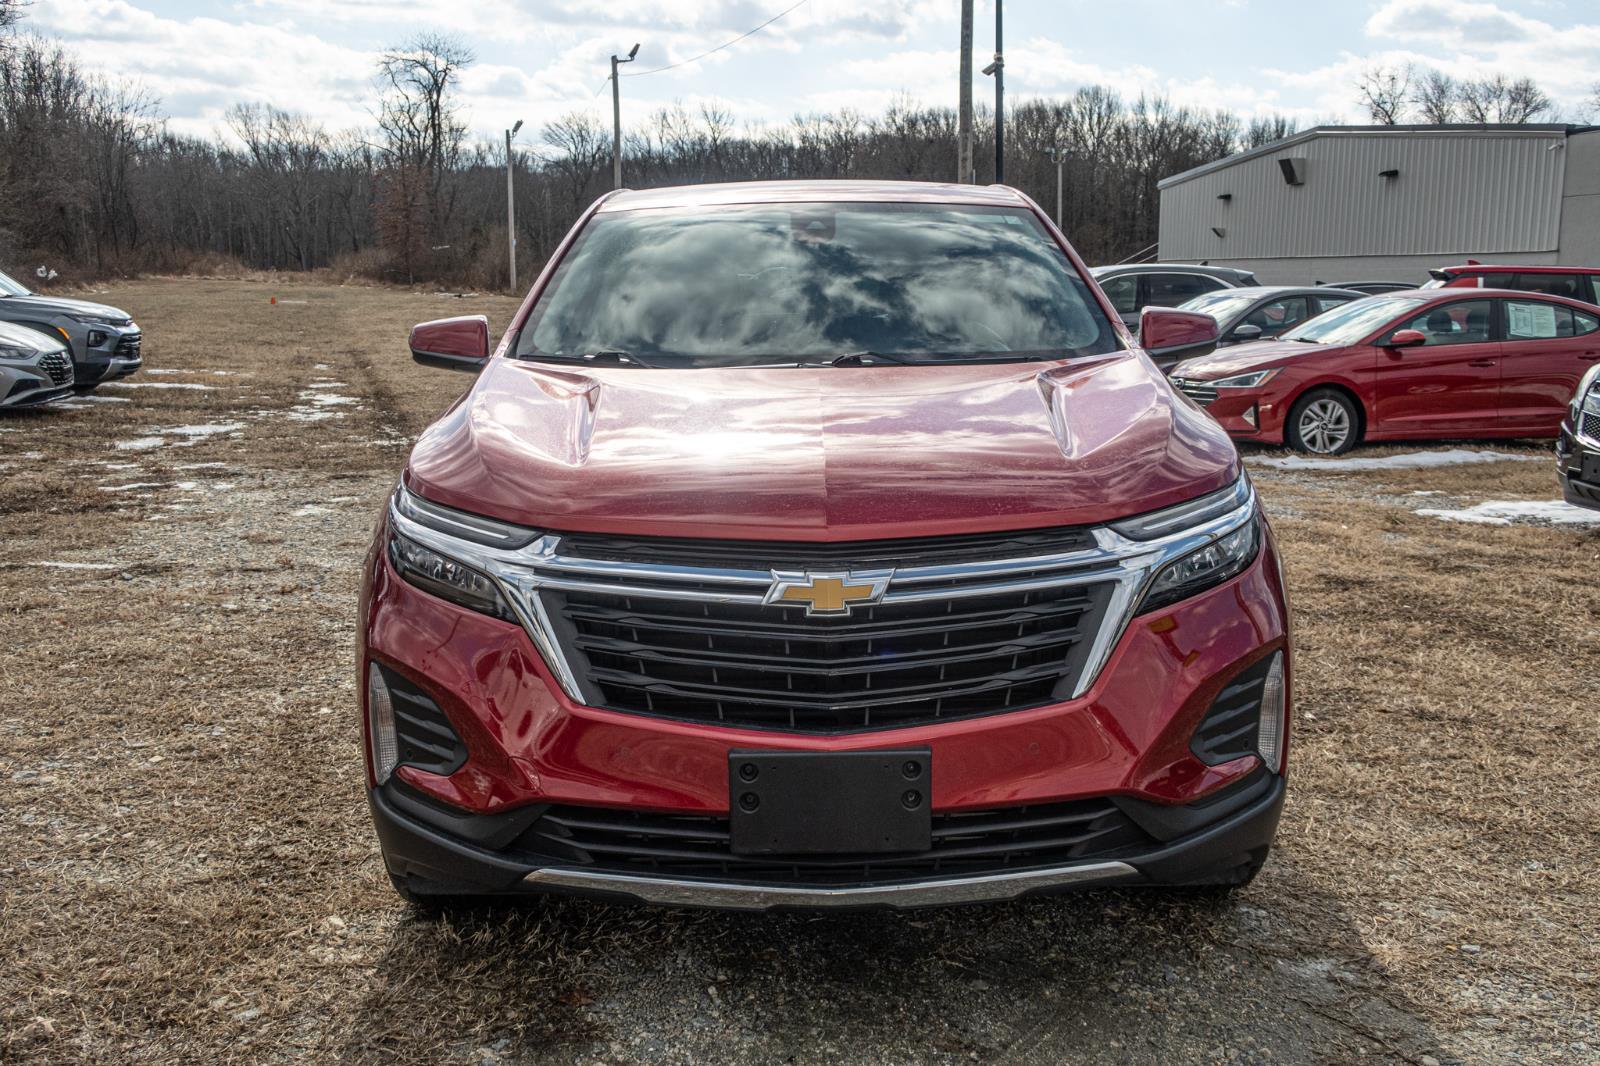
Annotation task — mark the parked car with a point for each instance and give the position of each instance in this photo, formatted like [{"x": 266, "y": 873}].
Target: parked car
[
  {"x": 1131, "y": 287},
  {"x": 1578, "y": 448},
  {"x": 1264, "y": 312},
  {"x": 104, "y": 341},
  {"x": 1574, "y": 283},
  {"x": 34, "y": 367},
  {"x": 1406, "y": 366},
  {"x": 1372, "y": 288},
  {"x": 820, "y": 544}
]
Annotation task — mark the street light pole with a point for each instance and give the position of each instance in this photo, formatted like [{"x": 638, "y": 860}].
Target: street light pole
[
  {"x": 1059, "y": 156},
  {"x": 964, "y": 141},
  {"x": 616, "y": 118},
  {"x": 511, "y": 208},
  {"x": 998, "y": 69}
]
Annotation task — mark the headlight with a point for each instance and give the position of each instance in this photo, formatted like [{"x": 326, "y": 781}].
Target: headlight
[
  {"x": 16, "y": 351},
  {"x": 99, "y": 320},
  {"x": 446, "y": 578},
  {"x": 1202, "y": 569},
  {"x": 1203, "y": 542},
  {"x": 1244, "y": 381},
  {"x": 1588, "y": 395}
]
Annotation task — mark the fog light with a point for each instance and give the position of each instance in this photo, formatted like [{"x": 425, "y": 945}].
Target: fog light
[
  {"x": 1269, "y": 733},
  {"x": 97, "y": 337},
  {"x": 380, "y": 726},
  {"x": 1250, "y": 416}
]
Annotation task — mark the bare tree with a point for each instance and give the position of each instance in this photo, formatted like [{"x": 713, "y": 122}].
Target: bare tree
[
  {"x": 10, "y": 14},
  {"x": 1498, "y": 99},
  {"x": 1436, "y": 97},
  {"x": 1384, "y": 92},
  {"x": 1265, "y": 129}
]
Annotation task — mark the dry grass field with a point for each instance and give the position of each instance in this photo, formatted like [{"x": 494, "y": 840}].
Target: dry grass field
[{"x": 187, "y": 873}]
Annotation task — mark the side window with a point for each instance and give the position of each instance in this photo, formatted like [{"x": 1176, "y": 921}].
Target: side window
[
  {"x": 1584, "y": 323},
  {"x": 1328, "y": 303},
  {"x": 1498, "y": 281},
  {"x": 1278, "y": 316},
  {"x": 1553, "y": 284},
  {"x": 1170, "y": 290},
  {"x": 1123, "y": 292},
  {"x": 1535, "y": 320},
  {"x": 1466, "y": 322},
  {"x": 1594, "y": 283}
]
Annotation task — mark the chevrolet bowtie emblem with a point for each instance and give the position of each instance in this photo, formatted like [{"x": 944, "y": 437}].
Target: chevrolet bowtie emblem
[{"x": 827, "y": 593}]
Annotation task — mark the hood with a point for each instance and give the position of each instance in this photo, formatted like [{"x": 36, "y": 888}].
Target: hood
[
  {"x": 848, "y": 453},
  {"x": 1251, "y": 355},
  {"x": 56, "y": 305},
  {"x": 26, "y": 337}
]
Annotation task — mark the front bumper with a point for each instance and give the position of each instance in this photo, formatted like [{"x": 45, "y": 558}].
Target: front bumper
[
  {"x": 119, "y": 353},
  {"x": 1578, "y": 467},
  {"x": 430, "y": 860},
  {"x": 26, "y": 383}
]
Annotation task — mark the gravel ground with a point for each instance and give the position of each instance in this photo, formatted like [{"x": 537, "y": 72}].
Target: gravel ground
[{"x": 188, "y": 874}]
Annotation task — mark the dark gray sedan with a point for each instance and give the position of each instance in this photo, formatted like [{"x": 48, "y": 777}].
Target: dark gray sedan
[{"x": 1262, "y": 312}]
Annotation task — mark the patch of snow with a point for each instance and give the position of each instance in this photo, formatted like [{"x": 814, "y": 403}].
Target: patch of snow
[
  {"x": 158, "y": 385},
  {"x": 307, "y": 414},
  {"x": 78, "y": 566},
  {"x": 139, "y": 444},
  {"x": 1403, "y": 461},
  {"x": 321, "y": 366},
  {"x": 1507, "y": 512},
  {"x": 197, "y": 466},
  {"x": 325, "y": 385},
  {"x": 95, "y": 397},
  {"x": 308, "y": 510},
  {"x": 131, "y": 485},
  {"x": 208, "y": 430}
]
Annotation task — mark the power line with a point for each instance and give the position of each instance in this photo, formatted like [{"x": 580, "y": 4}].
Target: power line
[{"x": 720, "y": 47}]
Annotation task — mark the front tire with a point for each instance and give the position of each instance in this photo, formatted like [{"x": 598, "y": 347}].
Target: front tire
[{"x": 1323, "y": 422}]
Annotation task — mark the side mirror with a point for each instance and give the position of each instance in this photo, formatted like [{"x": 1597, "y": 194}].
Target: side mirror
[
  {"x": 1406, "y": 338},
  {"x": 452, "y": 343},
  {"x": 1247, "y": 331},
  {"x": 1168, "y": 335}
]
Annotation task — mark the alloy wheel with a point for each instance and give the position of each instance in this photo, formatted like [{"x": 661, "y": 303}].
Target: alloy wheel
[{"x": 1325, "y": 426}]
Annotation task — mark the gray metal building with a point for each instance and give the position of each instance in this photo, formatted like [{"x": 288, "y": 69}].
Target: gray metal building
[{"x": 1348, "y": 203}]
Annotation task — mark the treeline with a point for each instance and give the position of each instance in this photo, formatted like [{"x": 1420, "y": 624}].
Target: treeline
[{"x": 92, "y": 182}]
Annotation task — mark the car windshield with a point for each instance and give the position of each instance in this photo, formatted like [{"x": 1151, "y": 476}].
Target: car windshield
[
  {"x": 1354, "y": 321},
  {"x": 11, "y": 288},
  {"x": 1221, "y": 306},
  {"x": 777, "y": 284}
]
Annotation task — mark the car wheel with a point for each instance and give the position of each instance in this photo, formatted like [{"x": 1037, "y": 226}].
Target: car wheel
[{"x": 1323, "y": 422}]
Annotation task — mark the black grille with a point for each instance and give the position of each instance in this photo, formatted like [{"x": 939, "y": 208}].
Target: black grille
[
  {"x": 427, "y": 739},
  {"x": 1589, "y": 425},
  {"x": 1229, "y": 728},
  {"x": 129, "y": 347},
  {"x": 766, "y": 555},
  {"x": 966, "y": 843},
  {"x": 776, "y": 668},
  {"x": 1198, "y": 391},
  {"x": 58, "y": 365}
]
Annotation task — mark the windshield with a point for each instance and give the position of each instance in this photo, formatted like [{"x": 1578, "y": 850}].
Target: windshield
[
  {"x": 1221, "y": 305},
  {"x": 1354, "y": 321},
  {"x": 786, "y": 283},
  {"x": 11, "y": 288}
]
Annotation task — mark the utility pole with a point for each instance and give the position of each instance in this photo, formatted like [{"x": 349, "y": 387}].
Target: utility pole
[
  {"x": 1057, "y": 153},
  {"x": 964, "y": 143},
  {"x": 511, "y": 207},
  {"x": 616, "y": 118},
  {"x": 998, "y": 69}
]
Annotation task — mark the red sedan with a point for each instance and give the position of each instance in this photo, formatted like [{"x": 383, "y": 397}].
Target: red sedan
[{"x": 1411, "y": 365}]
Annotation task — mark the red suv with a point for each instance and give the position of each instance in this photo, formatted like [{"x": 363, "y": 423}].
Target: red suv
[
  {"x": 1574, "y": 283},
  {"x": 821, "y": 544}
]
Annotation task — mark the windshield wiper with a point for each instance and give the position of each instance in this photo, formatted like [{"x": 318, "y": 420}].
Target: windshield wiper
[
  {"x": 601, "y": 355},
  {"x": 861, "y": 359}
]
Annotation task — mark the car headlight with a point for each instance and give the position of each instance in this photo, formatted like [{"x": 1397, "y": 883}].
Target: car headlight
[
  {"x": 1587, "y": 398},
  {"x": 99, "y": 320},
  {"x": 446, "y": 578},
  {"x": 1227, "y": 526},
  {"x": 17, "y": 351},
  {"x": 1244, "y": 381}
]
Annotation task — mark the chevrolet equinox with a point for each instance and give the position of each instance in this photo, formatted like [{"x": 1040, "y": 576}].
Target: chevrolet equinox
[{"x": 821, "y": 544}]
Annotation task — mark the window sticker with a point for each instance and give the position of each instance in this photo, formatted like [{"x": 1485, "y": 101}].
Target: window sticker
[{"x": 1531, "y": 320}]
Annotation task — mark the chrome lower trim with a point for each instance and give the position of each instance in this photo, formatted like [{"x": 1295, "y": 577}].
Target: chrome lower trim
[{"x": 730, "y": 895}]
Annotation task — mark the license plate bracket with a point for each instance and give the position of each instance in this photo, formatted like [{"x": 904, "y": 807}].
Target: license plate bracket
[{"x": 837, "y": 803}]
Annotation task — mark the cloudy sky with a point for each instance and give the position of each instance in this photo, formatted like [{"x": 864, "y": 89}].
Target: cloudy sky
[{"x": 540, "y": 59}]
